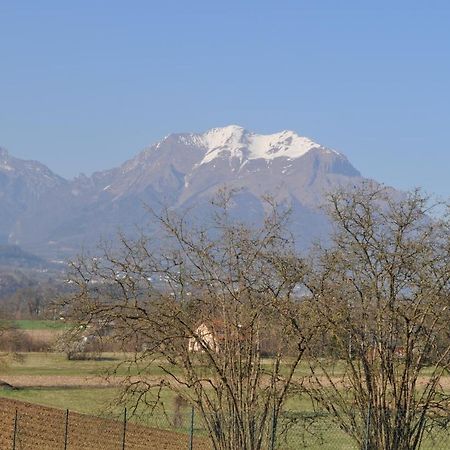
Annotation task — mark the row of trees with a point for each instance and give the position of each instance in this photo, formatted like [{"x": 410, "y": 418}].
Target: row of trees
[
  {"x": 207, "y": 302},
  {"x": 29, "y": 298}
]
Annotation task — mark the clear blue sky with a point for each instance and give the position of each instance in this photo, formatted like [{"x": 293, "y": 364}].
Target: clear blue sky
[{"x": 84, "y": 85}]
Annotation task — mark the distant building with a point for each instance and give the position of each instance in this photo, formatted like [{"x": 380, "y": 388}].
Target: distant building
[
  {"x": 213, "y": 335},
  {"x": 204, "y": 337}
]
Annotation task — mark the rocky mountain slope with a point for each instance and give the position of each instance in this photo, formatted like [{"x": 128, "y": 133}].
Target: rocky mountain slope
[
  {"x": 54, "y": 217},
  {"x": 22, "y": 183}
]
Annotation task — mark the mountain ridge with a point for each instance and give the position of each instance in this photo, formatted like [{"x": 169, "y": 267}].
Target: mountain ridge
[{"x": 181, "y": 170}]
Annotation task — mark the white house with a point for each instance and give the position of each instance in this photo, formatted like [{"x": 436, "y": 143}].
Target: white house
[{"x": 203, "y": 336}]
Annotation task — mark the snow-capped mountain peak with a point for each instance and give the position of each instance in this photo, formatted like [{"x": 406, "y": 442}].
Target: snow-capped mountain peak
[
  {"x": 236, "y": 142},
  {"x": 230, "y": 136}
]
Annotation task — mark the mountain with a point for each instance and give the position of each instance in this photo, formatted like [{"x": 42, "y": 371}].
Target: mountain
[
  {"x": 182, "y": 170},
  {"x": 22, "y": 183}
]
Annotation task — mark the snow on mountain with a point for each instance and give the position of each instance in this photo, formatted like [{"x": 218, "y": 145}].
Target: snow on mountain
[{"x": 236, "y": 142}]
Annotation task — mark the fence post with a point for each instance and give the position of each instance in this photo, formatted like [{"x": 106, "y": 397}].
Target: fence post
[
  {"x": 191, "y": 432},
  {"x": 66, "y": 430},
  {"x": 15, "y": 431},
  {"x": 274, "y": 429},
  {"x": 124, "y": 428}
]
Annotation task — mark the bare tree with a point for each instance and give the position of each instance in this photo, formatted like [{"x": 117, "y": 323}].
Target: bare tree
[
  {"x": 381, "y": 294},
  {"x": 203, "y": 305}
]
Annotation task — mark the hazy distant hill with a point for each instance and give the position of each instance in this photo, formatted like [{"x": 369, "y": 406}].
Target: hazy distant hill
[
  {"x": 13, "y": 255},
  {"x": 52, "y": 216}
]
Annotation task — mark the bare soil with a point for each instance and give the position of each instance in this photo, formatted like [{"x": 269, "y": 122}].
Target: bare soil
[{"x": 43, "y": 428}]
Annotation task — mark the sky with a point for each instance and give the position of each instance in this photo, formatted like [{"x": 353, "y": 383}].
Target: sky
[{"x": 87, "y": 84}]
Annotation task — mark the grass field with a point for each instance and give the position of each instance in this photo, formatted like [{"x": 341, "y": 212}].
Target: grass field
[
  {"x": 35, "y": 363},
  {"x": 57, "y": 364},
  {"x": 94, "y": 401},
  {"x": 37, "y": 324},
  {"x": 51, "y": 380}
]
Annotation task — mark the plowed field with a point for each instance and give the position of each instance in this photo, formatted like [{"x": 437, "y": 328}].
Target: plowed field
[{"x": 43, "y": 428}]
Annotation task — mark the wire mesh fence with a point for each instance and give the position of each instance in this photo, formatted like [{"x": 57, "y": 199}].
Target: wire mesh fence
[
  {"x": 305, "y": 430},
  {"x": 25, "y": 426}
]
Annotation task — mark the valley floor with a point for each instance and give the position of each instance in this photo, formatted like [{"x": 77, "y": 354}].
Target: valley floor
[{"x": 49, "y": 380}]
